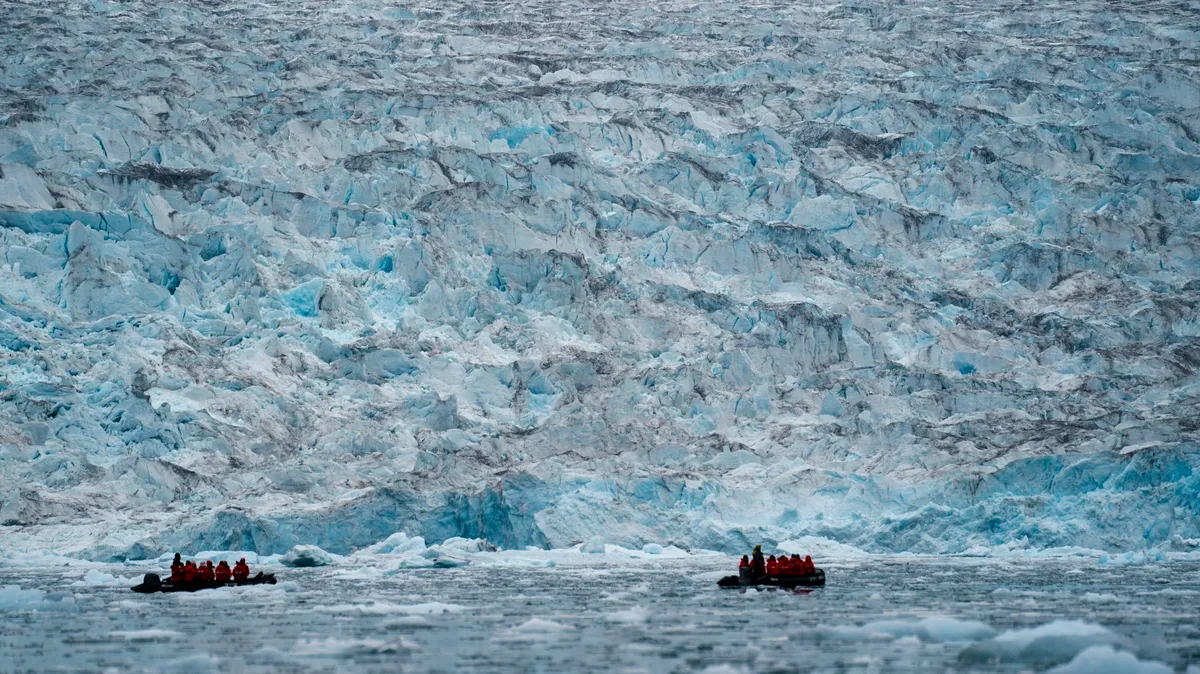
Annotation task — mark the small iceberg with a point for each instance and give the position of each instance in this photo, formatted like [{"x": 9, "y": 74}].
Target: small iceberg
[{"x": 303, "y": 556}]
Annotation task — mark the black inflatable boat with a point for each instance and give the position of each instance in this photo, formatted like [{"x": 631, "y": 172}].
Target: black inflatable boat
[
  {"x": 152, "y": 583},
  {"x": 814, "y": 579}
]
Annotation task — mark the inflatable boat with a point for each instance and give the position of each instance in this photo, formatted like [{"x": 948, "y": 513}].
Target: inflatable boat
[
  {"x": 152, "y": 583},
  {"x": 814, "y": 579}
]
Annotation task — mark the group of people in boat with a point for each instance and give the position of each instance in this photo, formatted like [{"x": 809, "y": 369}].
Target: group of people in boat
[
  {"x": 205, "y": 572},
  {"x": 754, "y": 565}
]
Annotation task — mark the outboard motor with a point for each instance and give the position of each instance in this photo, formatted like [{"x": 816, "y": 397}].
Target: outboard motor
[{"x": 150, "y": 583}]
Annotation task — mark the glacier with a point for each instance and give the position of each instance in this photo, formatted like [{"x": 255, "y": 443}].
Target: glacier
[{"x": 914, "y": 277}]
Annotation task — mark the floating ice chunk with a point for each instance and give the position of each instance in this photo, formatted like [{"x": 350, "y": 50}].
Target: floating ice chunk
[
  {"x": 517, "y": 560},
  {"x": 534, "y": 629},
  {"x": 952, "y": 629},
  {"x": 404, "y": 622},
  {"x": 375, "y": 608},
  {"x": 398, "y": 543},
  {"x": 97, "y": 578},
  {"x": 723, "y": 669},
  {"x": 466, "y": 545},
  {"x": 1135, "y": 557},
  {"x": 540, "y": 625},
  {"x": 306, "y": 556},
  {"x": 1106, "y": 660},
  {"x": 632, "y": 616},
  {"x": 1099, "y": 598},
  {"x": 431, "y": 608},
  {"x": 364, "y": 573},
  {"x": 1050, "y": 644},
  {"x": 443, "y": 559},
  {"x": 12, "y": 597},
  {"x": 652, "y": 549},
  {"x": 934, "y": 629},
  {"x": 594, "y": 546},
  {"x": 415, "y": 562},
  {"x": 145, "y": 635},
  {"x": 1057, "y": 629},
  {"x": 348, "y": 647},
  {"x": 200, "y": 663}
]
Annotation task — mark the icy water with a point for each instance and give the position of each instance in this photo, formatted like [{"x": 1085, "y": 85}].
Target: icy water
[{"x": 649, "y": 618}]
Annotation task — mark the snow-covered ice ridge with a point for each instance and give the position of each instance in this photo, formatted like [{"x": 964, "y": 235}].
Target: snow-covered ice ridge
[{"x": 912, "y": 277}]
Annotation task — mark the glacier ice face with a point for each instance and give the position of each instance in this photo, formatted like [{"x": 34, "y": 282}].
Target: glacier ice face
[{"x": 902, "y": 277}]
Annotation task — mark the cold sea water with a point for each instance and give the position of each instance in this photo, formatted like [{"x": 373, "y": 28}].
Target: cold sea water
[{"x": 891, "y": 614}]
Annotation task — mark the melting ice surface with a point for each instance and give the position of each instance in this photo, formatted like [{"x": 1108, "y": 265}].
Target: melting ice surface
[
  {"x": 908, "y": 276},
  {"x": 879, "y": 614}
]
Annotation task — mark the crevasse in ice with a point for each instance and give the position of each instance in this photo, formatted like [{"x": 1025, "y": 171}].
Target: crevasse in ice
[{"x": 909, "y": 277}]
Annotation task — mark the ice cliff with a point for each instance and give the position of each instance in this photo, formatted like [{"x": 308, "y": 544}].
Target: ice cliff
[{"x": 911, "y": 277}]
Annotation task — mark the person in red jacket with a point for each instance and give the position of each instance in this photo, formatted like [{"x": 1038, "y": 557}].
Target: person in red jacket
[
  {"x": 205, "y": 572},
  {"x": 809, "y": 567},
  {"x": 744, "y": 567},
  {"x": 223, "y": 572},
  {"x": 772, "y": 566},
  {"x": 786, "y": 568},
  {"x": 177, "y": 570},
  {"x": 189, "y": 572},
  {"x": 797, "y": 565},
  {"x": 241, "y": 570}
]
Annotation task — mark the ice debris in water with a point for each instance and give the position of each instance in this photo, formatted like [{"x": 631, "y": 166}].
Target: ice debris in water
[
  {"x": 540, "y": 625},
  {"x": 631, "y": 616},
  {"x": 443, "y": 560},
  {"x": 384, "y": 608},
  {"x": 1050, "y": 644},
  {"x": 306, "y": 555},
  {"x": 465, "y": 545},
  {"x": 146, "y": 635},
  {"x": 932, "y": 629},
  {"x": 97, "y": 578},
  {"x": 1106, "y": 660},
  {"x": 12, "y": 597},
  {"x": 348, "y": 647},
  {"x": 724, "y": 669},
  {"x": 197, "y": 663},
  {"x": 456, "y": 551},
  {"x": 894, "y": 274},
  {"x": 1069, "y": 646},
  {"x": 396, "y": 544}
]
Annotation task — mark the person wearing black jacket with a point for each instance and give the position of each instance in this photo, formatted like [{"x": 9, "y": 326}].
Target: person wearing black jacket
[{"x": 758, "y": 566}]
